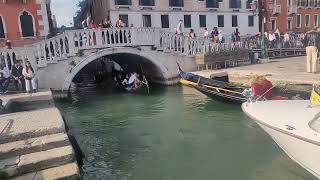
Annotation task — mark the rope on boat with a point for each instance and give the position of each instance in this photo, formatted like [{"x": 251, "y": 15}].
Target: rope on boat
[
  {"x": 226, "y": 90},
  {"x": 262, "y": 95}
]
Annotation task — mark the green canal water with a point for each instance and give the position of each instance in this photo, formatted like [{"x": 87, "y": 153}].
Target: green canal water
[{"x": 174, "y": 133}]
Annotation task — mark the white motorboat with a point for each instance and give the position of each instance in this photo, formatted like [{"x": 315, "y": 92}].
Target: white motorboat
[{"x": 294, "y": 125}]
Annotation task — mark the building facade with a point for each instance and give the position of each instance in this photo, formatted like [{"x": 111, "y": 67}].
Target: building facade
[
  {"x": 24, "y": 21},
  {"x": 293, "y": 15},
  {"x": 226, "y": 15}
]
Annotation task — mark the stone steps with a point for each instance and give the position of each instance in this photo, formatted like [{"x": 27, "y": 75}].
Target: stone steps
[
  {"x": 66, "y": 172},
  {"x": 32, "y": 145},
  {"x": 19, "y": 165},
  {"x": 30, "y": 124}
]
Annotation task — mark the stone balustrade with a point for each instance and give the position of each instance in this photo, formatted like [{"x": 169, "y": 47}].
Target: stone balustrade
[{"x": 69, "y": 43}]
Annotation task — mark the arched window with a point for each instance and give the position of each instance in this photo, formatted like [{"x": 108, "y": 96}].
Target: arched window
[
  {"x": 26, "y": 23},
  {"x": 2, "y": 33}
]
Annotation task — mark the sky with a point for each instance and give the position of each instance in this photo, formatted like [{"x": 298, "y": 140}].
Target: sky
[{"x": 64, "y": 10}]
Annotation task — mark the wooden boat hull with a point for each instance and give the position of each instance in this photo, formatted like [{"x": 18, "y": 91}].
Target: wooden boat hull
[
  {"x": 229, "y": 98},
  {"x": 217, "y": 93}
]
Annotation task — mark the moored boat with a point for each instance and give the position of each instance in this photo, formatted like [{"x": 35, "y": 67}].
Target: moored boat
[
  {"x": 294, "y": 125},
  {"x": 219, "y": 90}
]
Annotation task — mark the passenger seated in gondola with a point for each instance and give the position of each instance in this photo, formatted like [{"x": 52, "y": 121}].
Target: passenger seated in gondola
[
  {"x": 133, "y": 80},
  {"x": 261, "y": 87},
  {"x": 125, "y": 80}
]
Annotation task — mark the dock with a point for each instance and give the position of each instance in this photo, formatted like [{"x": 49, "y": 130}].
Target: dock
[
  {"x": 285, "y": 71},
  {"x": 33, "y": 140}
]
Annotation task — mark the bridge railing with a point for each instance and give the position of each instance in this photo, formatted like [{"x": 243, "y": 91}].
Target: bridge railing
[{"x": 71, "y": 42}]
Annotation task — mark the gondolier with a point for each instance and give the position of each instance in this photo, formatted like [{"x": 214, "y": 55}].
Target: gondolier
[{"x": 312, "y": 41}]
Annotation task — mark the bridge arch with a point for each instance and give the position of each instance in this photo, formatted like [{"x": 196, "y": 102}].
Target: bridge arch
[{"x": 158, "y": 69}]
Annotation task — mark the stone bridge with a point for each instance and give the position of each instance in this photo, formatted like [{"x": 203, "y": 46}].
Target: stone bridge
[{"x": 59, "y": 59}]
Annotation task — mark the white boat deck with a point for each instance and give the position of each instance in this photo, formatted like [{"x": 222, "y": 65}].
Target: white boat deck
[{"x": 293, "y": 117}]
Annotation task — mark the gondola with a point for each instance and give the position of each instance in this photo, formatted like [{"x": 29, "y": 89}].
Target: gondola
[
  {"x": 143, "y": 86},
  {"x": 219, "y": 90}
]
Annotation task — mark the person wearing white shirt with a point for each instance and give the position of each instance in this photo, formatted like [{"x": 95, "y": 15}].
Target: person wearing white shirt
[
  {"x": 179, "y": 27},
  {"x": 29, "y": 76},
  {"x": 272, "y": 39},
  {"x": 4, "y": 79},
  {"x": 206, "y": 33}
]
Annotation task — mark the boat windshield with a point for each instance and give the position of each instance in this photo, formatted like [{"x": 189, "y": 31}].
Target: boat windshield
[{"x": 315, "y": 123}]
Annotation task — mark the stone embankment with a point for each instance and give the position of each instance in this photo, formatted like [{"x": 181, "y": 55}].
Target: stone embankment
[
  {"x": 288, "y": 72},
  {"x": 33, "y": 139}
]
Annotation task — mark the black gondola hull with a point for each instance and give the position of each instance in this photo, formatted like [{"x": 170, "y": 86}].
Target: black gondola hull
[{"x": 222, "y": 96}]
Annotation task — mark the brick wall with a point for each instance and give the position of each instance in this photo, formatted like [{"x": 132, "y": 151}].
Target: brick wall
[{"x": 10, "y": 11}]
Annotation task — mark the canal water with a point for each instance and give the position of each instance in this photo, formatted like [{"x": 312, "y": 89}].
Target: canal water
[{"x": 175, "y": 133}]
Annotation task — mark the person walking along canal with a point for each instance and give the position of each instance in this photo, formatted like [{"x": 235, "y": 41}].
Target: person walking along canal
[{"x": 311, "y": 41}]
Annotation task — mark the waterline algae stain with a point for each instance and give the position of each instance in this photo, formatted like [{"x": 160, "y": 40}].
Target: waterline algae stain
[{"x": 173, "y": 133}]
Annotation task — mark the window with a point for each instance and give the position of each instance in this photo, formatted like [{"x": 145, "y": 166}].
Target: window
[
  {"x": 2, "y": 33},
  {"x": 123, "y": 2},
  {"x": 146, "y": 20},
  {"x": 234, "y": 21},
  {"x": 289, "y": 25},
  {"x": 176, "y": 3},
  {"x": 220, "y": 20},
  {"x": 273, "y": 24},
  {"x": 26, "y": 23},
  {"x": 124, "y": 19},
  {"x": 307, "y": 20},
  {"x": 146, "y": 2},
  {"x": 316, "y": 21},
  {"x": 235, "y": 4},
  {"x": 298, "y": 21},
  {"x": 203, "y": 20},
  {"x": 187, "y": 21},
  {"x": 165, "y": 21},
  {"x": 212, "y": 3},
  {"x": 248, "y": 4},
  {"x": 250, "y": 21}
]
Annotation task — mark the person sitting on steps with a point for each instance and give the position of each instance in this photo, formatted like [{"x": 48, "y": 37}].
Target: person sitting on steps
[
  {"x": 17, "y": 76},
  {"x": 30, "y": 79},
  {"x": 4, "y": 79}
]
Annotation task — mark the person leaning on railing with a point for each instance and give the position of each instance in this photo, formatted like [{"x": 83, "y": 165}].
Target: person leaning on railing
[{"x": 311, "y": 41}]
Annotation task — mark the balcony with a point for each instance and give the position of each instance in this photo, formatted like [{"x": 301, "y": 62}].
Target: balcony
[
  {"x": 292, "y": 9},
  {"x": 276, "y": 9}
]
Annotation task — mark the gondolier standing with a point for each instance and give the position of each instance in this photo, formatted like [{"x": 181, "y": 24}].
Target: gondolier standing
[{"x": 312, "y": 41}]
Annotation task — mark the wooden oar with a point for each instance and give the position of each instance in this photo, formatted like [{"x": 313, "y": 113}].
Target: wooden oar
[{"x": 145, "y": 79}]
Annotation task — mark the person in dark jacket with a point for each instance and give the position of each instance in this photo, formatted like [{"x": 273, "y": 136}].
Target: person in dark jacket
[
  {"x": 17, "y": 76},
  {"x": 311, "y": 41}
]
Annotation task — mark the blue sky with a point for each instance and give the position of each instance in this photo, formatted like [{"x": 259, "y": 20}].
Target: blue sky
[{"x": 64, "y": 11}]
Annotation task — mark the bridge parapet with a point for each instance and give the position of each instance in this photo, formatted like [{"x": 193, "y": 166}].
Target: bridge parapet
[{"x": 69, "y": 43}]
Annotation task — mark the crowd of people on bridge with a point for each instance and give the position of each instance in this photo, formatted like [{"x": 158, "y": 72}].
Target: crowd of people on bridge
[
  {"x": 216, "y": 35},
  {"x": 23, "y": 77}
]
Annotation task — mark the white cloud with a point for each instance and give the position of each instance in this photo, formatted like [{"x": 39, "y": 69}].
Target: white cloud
[{"x": 64, "y": 10}]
